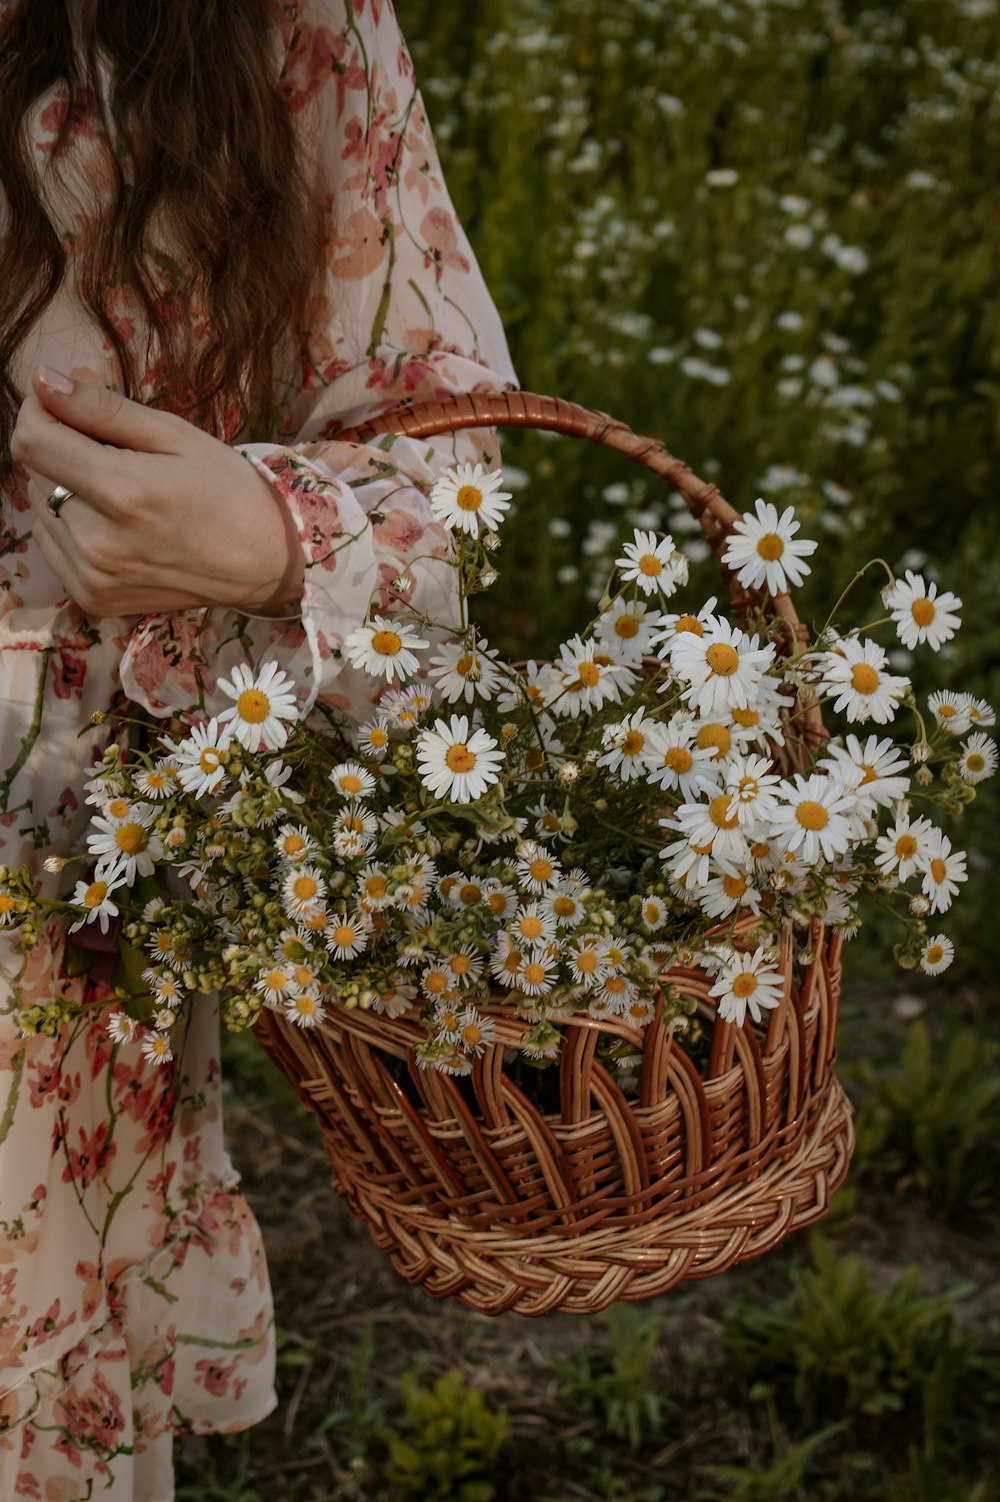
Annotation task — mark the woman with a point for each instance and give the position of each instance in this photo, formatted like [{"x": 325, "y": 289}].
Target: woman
[{"x": 220, "y": 221}]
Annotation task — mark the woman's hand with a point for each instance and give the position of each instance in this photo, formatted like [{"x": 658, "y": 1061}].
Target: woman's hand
[{"x": 163, "y": 516}]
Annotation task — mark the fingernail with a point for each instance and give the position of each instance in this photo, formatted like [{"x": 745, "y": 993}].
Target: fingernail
[{"x": 55, "y": 380}]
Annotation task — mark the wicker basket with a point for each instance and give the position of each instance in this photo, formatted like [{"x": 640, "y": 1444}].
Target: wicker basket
[{"x": 475, "y": 1192}]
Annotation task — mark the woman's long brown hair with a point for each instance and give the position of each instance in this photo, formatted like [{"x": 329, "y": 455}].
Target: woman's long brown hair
[{"x": 200, "y": 138}]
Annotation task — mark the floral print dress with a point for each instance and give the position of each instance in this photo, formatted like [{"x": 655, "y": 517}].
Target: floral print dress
[{"x": 134, "y": 1300}]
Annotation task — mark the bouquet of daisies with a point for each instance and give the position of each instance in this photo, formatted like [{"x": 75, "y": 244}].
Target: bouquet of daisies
[{"x": 544, "y": 837}]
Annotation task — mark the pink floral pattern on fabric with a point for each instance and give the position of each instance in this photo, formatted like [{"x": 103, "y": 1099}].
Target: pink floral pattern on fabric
[{"x": 134, "y": 1302}]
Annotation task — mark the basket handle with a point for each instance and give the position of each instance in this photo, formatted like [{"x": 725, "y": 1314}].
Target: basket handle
[{"x": 525, "y": 409}]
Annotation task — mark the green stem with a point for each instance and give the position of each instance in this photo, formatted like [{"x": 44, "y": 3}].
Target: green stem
[{"x": 30, "y": 736}]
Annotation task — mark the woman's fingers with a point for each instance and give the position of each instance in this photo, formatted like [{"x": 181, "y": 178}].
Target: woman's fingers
[{"x": 107, "y": 415}]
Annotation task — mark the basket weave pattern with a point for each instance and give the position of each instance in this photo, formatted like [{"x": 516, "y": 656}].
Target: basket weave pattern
[{"x": 475, "y": 1192}]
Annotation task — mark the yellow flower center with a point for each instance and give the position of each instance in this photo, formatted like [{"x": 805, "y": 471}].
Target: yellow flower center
[
  {"x": 305, "y": 1005},
  {"x": 470, "y": 894},
  {"x": 633, "y": 743},
  {"x": 497, "y": 903},
  {"x": 512, "y": 961},
  {"x": 294, "y": 844},
  {"x": 463, "y": 666},
  {"x": 351, "y": 783},
  {"x": 253, "y": 706},
  {"x": 626, "y": 626},
  {"x": 460, "y": 964},
  {"x": 974, "y": 762},
  {"x": 770, "y": 546},
  {"x": 714, "y": 737},
  {"x": 812, "y": 815},
  {"x": 386, "y": 643},
  {"x": 587, "y": 961},
  {"x": 760, "y": 850},
  {"x": 377, "y": 736},
  {"x": 947, "y": 711},
  {"x": 304, "y": 888},
  {"x": 208, "y": 761},
  {"x": 131, "y": 838},
  {"x": 435, "y": 981},
  {"x": 471, "y": 1035},
  {"x": 651, "y": 912},
  {"x": 650, "y": 565},
  {"x": 734, "y": 886},
  {"x": 906, "y": 846},
  {"x": 722, "y": 659},
  {"x": 531, "y": 926},
  {"x": 7, "y": 903},
  {"x": 938, "y": 869},
  {"x": 748, "y": 717},
  {"x": 376, "y": 887},
  {"x": 95, "y": 894},
  {"x": 541, "y": 869},
  {"x": 864, "y": 678},
  {"x": 534, "y": 973},
  {"x": 869, "y": 773},
  {"x": 934, "y": 954},
  {"x": 276, "y": 980},
  {"x": 448, "y": 1021},
  {"x": 315, "y": 922},
  {"x": 679, "y": 759},
  {"x": 690, "y": 623},
  {"x": 923, "y": 611},
  {"x": 459, "y": 758},
  {"x": 344, "y": 935},
  {"x": 564, "y": 907},
  {"x": 616, "y": 984},
  {"x": 118, "y": 808},
  {"x": 590, "y": 674},
  {"x": 745, "y": 984},
  {"x": 718, "y": 812},
  {"x": 469, "y": 498}
]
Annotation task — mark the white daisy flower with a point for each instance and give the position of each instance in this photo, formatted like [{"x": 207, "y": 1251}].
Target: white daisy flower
[
  {"x": 156, "y": 1048},
  {"x": 95, "y": 896},
  {"x": 871, "y": 771},
  {"x": 760, "y": 722},
  {"x": 764, "y": 551},
  {"x": 671, "y": 625},
  {"x": 118, "y": 809},
  {"x": 438, "y": 984},
  {"x": 467, "y": 499},
  {"x": 747, "y": 983},
  {"x": 386, "y": 649},
  {"x": 586, "y": 961},
  {"x": 532, "y": 925},
  {"x": 294, "y": 843},
  {"x": 584, "y": 677},
  {"x": 813, "y": 817},
  {"x": 453, "y": 762},
  {"x": 275, "y": 984},
  {"x": 944, "y": 871},
  {"x": 121, "y": 1027},
  {"x": 905, "y": 847},
  {"x": 198, "y": 758},
  {"x": 352, "y": 780},
  {"x": 639, "y": 1012},
  {"x": 395, "y": 1002},
  {"x": 526, "y": 687},
  {"x": 124, "y": 851},
  {"x": 537, "y": 975},
  {"x": 499, "y": 898},
  {"x": 722, "y": 667},
  {"x": 566, "y": 905},
  {"x": 536, "y": 869},
  {"x": 616, "y": 952},
  {"x": 978, "y": 759},
  {"x": 464, "y": 966},
  {"x": 629, "y": 627},
  {"x": 167, "y": 989},
  {"x": 262, "y": 704},
  {"x": 305, "y": 1009},
  {"x": 854, "y": 675},
  {"x": 350, "y": 845},
  {"x": 937, "y": 955},
  {"x": 723, "y": 894},
  {"x": 654, "y": 913},
  {"x": 347, "y": 937},
  {"x": 750, "y": 781},
  {"x": 475, "y": 1031},
  {"x": 374, "y": 738},
  {"x": 712, "y": 826},
  {"x": 302, "y": 889},
  {"x": 920, "y": 613},
  {"x": 950, "y": 711},
  {"x": 461, "y": 672},
  {"x": 686, "y": 865},
  {"x": 978, "y": 711},
  {"x": 373, "y": 888},
  {"x": 655, "y": 567},
  {"x": 159, "y": 780},
  {"x": 164, "y": 1020},
  {"x": 508, "y": 961},
  {"x": 676, "y": 761},
  {"x": 630, "y": 748}
]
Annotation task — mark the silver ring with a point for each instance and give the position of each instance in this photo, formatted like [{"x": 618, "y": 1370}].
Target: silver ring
[{"x": 58, "y": 499}]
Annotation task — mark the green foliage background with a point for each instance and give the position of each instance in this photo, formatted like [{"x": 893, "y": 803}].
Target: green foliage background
[{"x": 768, "y": 233}]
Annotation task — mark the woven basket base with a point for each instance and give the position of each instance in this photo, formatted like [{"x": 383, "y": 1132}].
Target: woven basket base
[{"x": 583, "y": 1273}]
